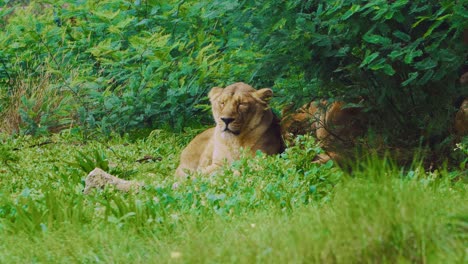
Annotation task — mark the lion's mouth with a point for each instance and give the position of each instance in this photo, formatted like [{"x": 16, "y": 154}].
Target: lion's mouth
[{"x": 234, "y": 132}]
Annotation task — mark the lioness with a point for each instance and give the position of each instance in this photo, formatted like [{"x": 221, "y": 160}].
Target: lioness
[
  {"x": 335, "y": 126},
  {"x": 243, "y": 120},
  {"x": 461, "y": 120}
]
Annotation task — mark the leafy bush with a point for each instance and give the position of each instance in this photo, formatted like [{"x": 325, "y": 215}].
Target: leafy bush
[
  {"x": 402, "y": 57},
  {"x": 118, "y": 65}
]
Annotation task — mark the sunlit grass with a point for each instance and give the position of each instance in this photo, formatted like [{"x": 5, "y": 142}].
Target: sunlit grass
[{"x": 279, "y": 209}]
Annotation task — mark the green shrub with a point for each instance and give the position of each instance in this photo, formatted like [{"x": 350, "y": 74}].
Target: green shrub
[
  {"x": 118, "y": 65},
  {"x": 402, "y": 57}
]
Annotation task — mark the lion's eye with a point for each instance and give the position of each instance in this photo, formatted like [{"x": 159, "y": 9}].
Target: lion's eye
[
  {"x": 221, "y": 104},
  {"x": 243, "y": 105}
]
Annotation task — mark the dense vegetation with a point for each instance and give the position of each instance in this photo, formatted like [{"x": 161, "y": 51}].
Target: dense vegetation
[
  {"x": 82, "y": 81},
  {"x": 121, "y": 65}
]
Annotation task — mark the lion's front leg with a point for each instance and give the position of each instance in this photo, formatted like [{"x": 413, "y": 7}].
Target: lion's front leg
[
  {"x": 210, "y": 162},
  {"x": 211, "y": 169}
]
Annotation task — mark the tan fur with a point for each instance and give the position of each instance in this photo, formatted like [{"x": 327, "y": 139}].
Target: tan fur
[
  {"x": 333, "y": 124},
  {"x": 461, "y": 120},
  {"x": 301, "y": 122},
  {"x": 98, "y": 178},
  {"x": 464, "y": 78},
  {"x": 340, "y": 126},
  {"x": 253, "y": 127}
]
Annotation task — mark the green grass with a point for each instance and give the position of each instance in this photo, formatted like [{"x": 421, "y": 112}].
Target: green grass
[{"x": 281, "y": 209}]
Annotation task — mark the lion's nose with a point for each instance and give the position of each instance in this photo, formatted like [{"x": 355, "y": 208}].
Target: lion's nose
[{"x": 227, "y": 120}]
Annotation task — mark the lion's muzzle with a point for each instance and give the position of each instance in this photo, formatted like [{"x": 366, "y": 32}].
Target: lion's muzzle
[
  {"x": 227, "y": 120},
  {"x": 229, "y": 125}
]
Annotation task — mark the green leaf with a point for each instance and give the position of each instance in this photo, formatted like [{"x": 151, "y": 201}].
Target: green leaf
[
  {"x": 421, "y": 19},
  {"x": 410, "y": 56},
  {"x": 378, "y": 65},
  {"x": 368, "y": 59},
  {"x": 399, "y": 3},
  {"x": 426, "y": 77},
  {"x": 388, "y": 69},
  {"x": 434, "y": 26},
  {"x": 280, "y": 24},
  {"x": 412, "y": 76},
  {"x": 354, "y": 9},
  {"x": 401, "y": 35},
  {"x": 376, "y": 39},
  {"x": 396, "y": 54},
  {"x": 425, "y": 64},
  {"x": 343, "y": 51}
]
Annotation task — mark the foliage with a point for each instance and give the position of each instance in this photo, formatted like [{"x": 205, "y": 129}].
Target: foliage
[
  {"x": 77, "y": 67},
  {"x": 120, "y": 66},
  {"x": 278, "y": 209},
  {"x": 462, "y": 147},
  {"x": 115, "y": 65},
  {"x": 401, "y": 58},
  {"x": 89, "y": 161}
]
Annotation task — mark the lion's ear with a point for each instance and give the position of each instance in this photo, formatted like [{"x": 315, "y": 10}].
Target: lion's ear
[
  {"x": 215, "y": 92},
  {"x": 264, "y": 94}
]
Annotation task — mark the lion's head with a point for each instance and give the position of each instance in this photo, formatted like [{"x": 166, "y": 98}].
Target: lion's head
[{"x": 238, "y": 109}]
